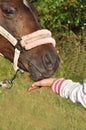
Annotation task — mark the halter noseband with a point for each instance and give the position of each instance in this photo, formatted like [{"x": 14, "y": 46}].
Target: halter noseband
[{"x": 28, "y": 42}]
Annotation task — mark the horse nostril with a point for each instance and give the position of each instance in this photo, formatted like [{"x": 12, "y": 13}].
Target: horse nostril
[{"x": 47, "y": 61}]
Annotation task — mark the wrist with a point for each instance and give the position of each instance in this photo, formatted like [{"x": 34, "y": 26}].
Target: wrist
[{"x": 56, "y": 85}]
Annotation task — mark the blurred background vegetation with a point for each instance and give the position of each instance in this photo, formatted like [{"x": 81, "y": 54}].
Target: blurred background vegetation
[
  {"x": 67, "y": 21},
  {"x": 58, "y": 14},
  {"x": 41, "y": 109}
]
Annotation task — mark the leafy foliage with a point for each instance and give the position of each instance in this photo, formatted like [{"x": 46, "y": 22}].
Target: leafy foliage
[{"x": 55, "y": 14}]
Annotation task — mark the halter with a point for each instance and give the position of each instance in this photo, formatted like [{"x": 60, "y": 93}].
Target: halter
[{"x": 28, "y": 42}]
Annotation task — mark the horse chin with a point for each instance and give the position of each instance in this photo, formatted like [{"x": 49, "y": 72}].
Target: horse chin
[
  {"x": 39, "y": 74},
  {"x": 35, "y": 74},
  {"x": 36, "y": 77}
]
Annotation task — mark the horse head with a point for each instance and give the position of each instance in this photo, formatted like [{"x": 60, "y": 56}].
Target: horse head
[{"x": 36, "y": 46}]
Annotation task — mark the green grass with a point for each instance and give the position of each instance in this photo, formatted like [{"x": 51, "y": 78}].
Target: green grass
[{"x": 41, "y": 109}]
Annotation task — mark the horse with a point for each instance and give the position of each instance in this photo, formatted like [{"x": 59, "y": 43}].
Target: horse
[{"x": 23, "y": 42}]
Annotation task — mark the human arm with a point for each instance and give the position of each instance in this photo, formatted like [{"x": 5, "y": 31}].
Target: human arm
[
  {"x": 75, "y": 91},
  {"x": 66, "y": 88},
  {"x": 42, "y": 83}
]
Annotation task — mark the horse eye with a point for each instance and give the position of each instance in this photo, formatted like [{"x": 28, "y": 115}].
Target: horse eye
[{"x": 9, "y": 11}]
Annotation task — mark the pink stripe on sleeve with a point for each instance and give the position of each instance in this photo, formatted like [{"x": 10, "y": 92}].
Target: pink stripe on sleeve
[
  {"x": 59, "y": 86},
  {"x": 55, "y": 87}
]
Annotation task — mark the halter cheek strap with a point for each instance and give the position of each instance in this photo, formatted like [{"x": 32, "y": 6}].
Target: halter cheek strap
[
  {"x": 13, "y": 41},
  {"x": 8, "y": 36},
  {"x": 28, "y": 42}
]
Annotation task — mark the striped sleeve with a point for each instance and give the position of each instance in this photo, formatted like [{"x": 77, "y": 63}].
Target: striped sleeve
[
  {"x": 56, "y": 85},
  {"x": 75, "y": 91}
]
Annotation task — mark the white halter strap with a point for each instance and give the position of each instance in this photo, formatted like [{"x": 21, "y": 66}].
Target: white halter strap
[
  {"x": 29, "y": 41},
  {"x": 8, "y": 36},
  {"x": 13, "y": 41}
]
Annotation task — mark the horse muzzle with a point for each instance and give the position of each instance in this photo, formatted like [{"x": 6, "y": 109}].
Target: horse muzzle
[{"x": 44, "y": 66}]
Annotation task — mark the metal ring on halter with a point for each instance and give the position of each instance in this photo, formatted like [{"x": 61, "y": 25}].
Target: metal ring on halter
[
  {"x": 10, "y": 81},
  {"x": 10, "y": 84},
  {"x": 6, "y": 84}
]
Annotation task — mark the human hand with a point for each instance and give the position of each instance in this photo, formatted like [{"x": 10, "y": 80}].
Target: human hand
[{"x": 42, "y": 83}]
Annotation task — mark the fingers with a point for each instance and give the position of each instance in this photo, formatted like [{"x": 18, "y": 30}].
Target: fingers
[
  {"x": 43, "y": 83},
  {"x": 34, "y": 86}
]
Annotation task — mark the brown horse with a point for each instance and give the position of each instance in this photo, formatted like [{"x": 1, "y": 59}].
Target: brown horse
[{"x": 19, "y": 19}]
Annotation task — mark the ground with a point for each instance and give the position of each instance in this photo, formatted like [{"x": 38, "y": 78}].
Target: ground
[{"x": 42, "y": 109}]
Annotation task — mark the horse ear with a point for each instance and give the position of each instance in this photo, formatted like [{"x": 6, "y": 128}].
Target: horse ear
[
  {"x": 26, "y": 3},
  {"x": 30, "y": 6}
]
